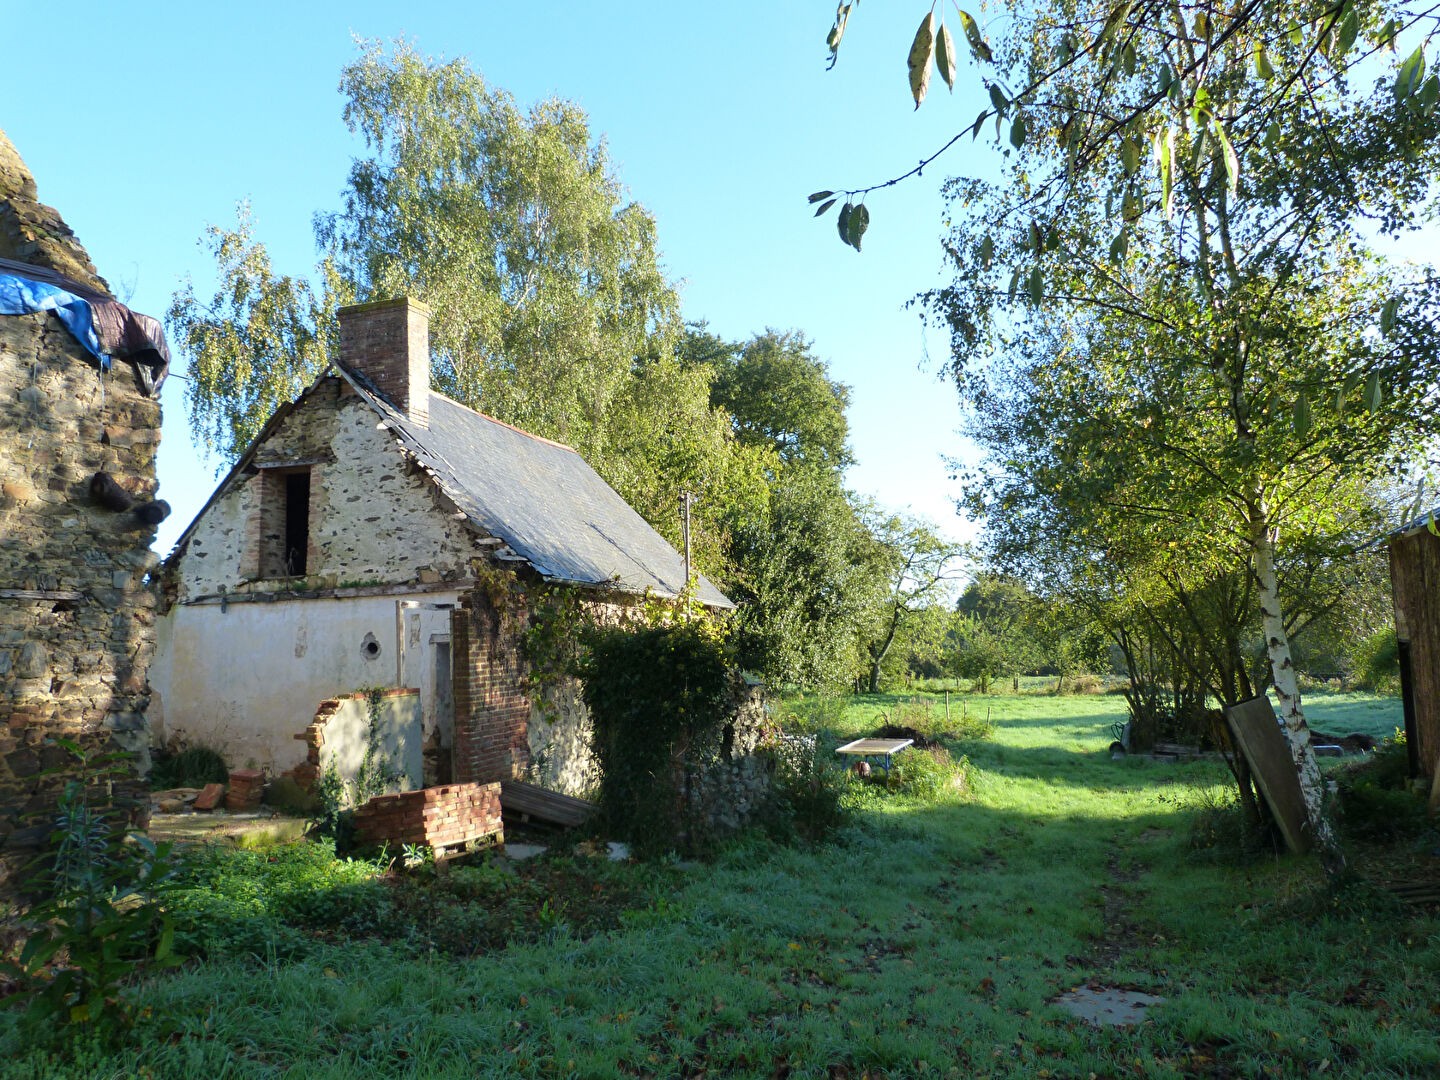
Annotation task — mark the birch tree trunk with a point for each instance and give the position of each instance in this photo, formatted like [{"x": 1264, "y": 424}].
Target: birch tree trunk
[{"x": 1287, "y": 689}]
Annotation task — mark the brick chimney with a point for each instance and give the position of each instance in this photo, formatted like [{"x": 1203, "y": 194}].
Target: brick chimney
[{"x": 389, "y": 343}]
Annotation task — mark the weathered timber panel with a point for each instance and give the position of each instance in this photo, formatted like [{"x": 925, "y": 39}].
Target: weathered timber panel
[
  {"x": 1415, "y": 582},
  {"x": 1257, "y": 733}
]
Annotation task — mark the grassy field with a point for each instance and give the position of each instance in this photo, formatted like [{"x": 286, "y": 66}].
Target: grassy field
[{"x": 927, "y": 940}]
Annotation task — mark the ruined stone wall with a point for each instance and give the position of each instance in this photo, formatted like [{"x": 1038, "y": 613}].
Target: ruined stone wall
[
  {"x": 34, "y": 233},
  {"x": 340, "y": 737},
  {"x": 373, "y": 517},
  {"x": 76, "y": 621}
]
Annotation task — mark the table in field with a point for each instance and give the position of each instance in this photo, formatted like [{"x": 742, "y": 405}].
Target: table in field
[{"x": 876, "y": 748}]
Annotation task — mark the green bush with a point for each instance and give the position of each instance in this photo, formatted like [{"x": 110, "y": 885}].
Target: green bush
[
  {"x": 284, "y": 793},
  {"x": 807, "y": 714},
  {"x": 98, "y": 920},
  {"x": 1377, "y": 663},
  {"x": 927, "y": 774},
  {"x": 1376, "y": 802},
  {"x": 810, "y": 788},
  {"x": 195, "y": 766},
  {"x": 659, "y": 699}
]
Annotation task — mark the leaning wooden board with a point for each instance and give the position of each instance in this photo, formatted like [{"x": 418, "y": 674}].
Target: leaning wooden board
[
  {"x": 526, "y": 801},
  {"x": 1257, "y": 733}
]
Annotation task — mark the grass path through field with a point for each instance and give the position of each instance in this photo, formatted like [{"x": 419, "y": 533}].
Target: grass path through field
[{"x": 926, "y": 941}]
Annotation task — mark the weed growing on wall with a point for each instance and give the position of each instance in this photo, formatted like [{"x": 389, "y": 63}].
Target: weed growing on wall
[
  {"x": 335, "y": 797},
  {"x": 377, "y": 773}
]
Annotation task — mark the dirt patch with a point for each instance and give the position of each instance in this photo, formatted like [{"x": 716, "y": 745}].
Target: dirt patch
[{"x": 202, "y": 828}]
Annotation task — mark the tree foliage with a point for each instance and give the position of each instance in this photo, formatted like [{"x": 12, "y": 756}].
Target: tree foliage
[
  {"x": 510, "y": 223},
  {"x": 925, "y": 567},
  {"x": 1126, "y": 92},
  {"x": 812, "y": 580},
  {"x": 1280, "y": 364},
  {"x": 550, "y": 308},
  {"x": 261, "y": 340},
  {"x": 779, "y": 394}
]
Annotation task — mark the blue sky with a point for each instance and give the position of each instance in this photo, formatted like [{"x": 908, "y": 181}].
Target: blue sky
[{"x": 143, "y": 126}]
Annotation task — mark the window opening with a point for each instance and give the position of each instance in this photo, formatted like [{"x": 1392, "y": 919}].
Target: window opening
[{"x": 297, "y": 522}]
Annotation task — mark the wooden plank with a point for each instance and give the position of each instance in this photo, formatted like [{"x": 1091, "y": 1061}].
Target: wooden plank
[
  {"x": 41, "y": 594},
  {"x": 518, "y": 797},
  {"x": 1257, "y": 733},
  {"x": 1415, "y": 580}
]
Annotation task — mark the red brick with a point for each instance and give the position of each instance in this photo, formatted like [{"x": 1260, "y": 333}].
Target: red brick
[{"x": 209, "y": 797}]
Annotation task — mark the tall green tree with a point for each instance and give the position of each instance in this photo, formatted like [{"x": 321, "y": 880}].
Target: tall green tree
[
  {"x": 511, "y": 224},
  {"x": 812, "y": 581},
  {"x": 261, "y": 339},
  {"x": 550, "y": 308},
  {"x": 1175, "y": 234},
  {"x": 782, "y": 397},
  {"x": 926, "y": 567}
]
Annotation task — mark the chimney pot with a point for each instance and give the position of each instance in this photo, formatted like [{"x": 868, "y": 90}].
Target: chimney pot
[{"x": 388, "y": 342}]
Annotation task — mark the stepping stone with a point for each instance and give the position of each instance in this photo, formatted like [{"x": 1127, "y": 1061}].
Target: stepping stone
[
  {"x": 520, "y": 852},
  {"x": 1103, "y": 1006}
]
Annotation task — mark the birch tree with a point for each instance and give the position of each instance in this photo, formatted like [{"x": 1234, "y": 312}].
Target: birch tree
[{"x": 1181, "y": 232}]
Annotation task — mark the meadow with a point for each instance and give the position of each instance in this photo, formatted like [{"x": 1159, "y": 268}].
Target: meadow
[{"x": 927, "y": 938}]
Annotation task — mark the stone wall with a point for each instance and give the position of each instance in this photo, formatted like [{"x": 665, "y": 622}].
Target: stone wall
[
  {"x": 729, "y": 791},
  {"x": 374, "y": 518},
  {"x": 76, "y": 618}
]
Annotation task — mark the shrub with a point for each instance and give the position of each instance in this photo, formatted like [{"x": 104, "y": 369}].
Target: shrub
[
  {"x": 809, "y": 794},
  {"x": 927, "y": 774},
  {"x": 99, "y": 918},
  {"x": 659, "y": 698},
  {"x": 807, "y": 714},
  {"x": 1375, "y": 800},
  {"x": 1377, "y": 663},
  {"x": 284, "y": 793},
  {"x": 1083, "y": 683},
  {"x": 195, "y": 766}
]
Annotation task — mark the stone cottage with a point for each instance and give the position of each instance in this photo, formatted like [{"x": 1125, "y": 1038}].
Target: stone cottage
[
  {"x": 79, "y": 383},
  {"x": 379, "y": 534}
]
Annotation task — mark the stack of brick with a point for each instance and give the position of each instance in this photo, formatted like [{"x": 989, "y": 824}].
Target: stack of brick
[
  {"x": 439, "y": 816},
  {"x": 246, "y": 787}
]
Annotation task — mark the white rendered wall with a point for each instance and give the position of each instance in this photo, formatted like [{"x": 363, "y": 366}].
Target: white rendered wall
[{"x": 248, "y": 679}]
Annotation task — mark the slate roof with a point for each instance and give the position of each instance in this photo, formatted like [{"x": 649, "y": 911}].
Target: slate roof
[{"x": 541, "y": 498}]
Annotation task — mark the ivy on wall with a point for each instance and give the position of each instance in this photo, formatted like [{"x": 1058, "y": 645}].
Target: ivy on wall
[{"x": 659, "y": 701}]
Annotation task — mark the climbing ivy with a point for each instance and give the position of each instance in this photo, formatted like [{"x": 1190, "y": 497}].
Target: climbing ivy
[{"x": 659, "y": 699}]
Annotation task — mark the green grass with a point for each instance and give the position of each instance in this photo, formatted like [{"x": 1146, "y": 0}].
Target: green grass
[{"x": 925, "y": 941}]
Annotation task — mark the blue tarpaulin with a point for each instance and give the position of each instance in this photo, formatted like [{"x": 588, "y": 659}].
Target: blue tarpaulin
[{"x": 24, "y": 296}]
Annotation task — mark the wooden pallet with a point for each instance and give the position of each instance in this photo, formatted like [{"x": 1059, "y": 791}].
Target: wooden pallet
[{"x": 526, "y": 802}]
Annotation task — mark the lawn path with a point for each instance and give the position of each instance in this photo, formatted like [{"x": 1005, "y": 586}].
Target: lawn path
[{"x": 925, "y": 941}]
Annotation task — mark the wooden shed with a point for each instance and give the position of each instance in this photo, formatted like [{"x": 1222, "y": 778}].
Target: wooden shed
[{"x": 1415, "y": 582}]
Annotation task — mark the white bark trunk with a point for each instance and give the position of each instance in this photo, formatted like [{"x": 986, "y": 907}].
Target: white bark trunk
[{"x": 1287, "y": 689}]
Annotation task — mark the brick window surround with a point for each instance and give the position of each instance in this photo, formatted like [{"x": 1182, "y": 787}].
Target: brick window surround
[{"x": 279, "y": 540}]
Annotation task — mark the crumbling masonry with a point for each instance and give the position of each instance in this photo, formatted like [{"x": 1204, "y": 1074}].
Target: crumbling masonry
[{"x": 76, "y": 618}]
